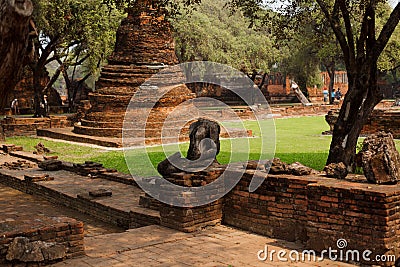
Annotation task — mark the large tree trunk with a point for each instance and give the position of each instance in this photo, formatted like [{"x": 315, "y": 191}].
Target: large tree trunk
[
  {"x": 14, "y": 42},
  {"x": 39, "y": 75},
  {"x": 363, "y": 95}
]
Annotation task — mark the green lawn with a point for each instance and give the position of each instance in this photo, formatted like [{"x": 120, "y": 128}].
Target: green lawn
[{"x": 297, "y": 139}]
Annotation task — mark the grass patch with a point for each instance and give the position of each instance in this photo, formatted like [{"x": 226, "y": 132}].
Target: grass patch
[
  {"x": 297, "y": 139},
  {"x": 67, "y": 152}
]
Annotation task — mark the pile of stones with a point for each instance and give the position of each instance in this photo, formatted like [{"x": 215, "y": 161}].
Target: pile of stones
[
  {"x": 92, "y": 168},
  {"x": 41, "y": 149},
  {"x": 11, "y": 148},
  {"x": 17, "y": 165}
]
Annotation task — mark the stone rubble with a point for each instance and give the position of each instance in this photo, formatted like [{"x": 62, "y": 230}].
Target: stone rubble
[
  {"x": 51, "y": 165},
  {"x": 41, "y": 149},
  {"x": 279, "y": 167},
  {"x": 336, "y": 170},
  {"x": 91, "y": 169},
  {"x": 22, "y": 249},
  {"x": 380, "y": 159},
  {"x": 7, "y": 148},
  {"x": 100, "y": 193},
  {"x": 17, "y": 165}
]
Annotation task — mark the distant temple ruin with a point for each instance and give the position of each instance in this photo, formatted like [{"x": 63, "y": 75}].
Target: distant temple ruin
[{"x": 25, "y": 92}]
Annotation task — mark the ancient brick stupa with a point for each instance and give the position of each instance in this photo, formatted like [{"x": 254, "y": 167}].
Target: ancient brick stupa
[{"x": 144, "y": 46}]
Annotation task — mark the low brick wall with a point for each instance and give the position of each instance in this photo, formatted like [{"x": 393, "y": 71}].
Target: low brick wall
[
  {"x": 278, "y": 208},
  {"x": 64, "y": 236},
  {"x": 387, "y": 120},
  {"x": 367, "y": 217},
  {"x": 300, "y": 110},
  {"x": 318, "y": 211},
  {"x": 17, "y": 126},
  {"x": 383, "y": 120}
]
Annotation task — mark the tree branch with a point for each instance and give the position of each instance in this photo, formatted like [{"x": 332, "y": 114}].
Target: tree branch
[
  {"x": 371, "y": 38},
  {"x": 386, "y": 32},
  {"x": 335, "y": 24},
  {"x": 363, "y": 37},
  {"x": 349, "y": 28}
]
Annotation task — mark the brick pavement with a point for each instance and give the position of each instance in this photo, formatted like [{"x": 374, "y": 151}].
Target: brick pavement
[
  {"x": 15, "y": 205},
  {"x": 159, "y": 246},
  {"x": 125, "y": 197}
]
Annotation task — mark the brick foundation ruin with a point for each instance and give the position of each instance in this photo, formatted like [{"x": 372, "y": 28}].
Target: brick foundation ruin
[
  {"x": 24, "y": 92},
  {"x": 386, "y": 120},
  {"x": 319, "y": 211},
  {"x": 22, "y": 126}
]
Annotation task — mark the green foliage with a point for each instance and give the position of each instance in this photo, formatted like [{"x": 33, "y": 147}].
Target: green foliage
[
  {"x": 302, "y": 64},
  {"x": 211, "y": 32},
  {"x": 76, "y": 29},
  {"x": 390, "y": 57}
]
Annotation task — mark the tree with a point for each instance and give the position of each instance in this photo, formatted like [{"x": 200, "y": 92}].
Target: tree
[
  {"x": 311, "y": 43},
  {"x": 389, "y": 61},
  {"x": 211, "y": 32},
  {"x": 302, "y": 63},
  {"x": 71, "y": 33},
  {"x": 15, "y": 45},
  {"x": 354, "y": 24},
  {"x": 361, "y": 53}
]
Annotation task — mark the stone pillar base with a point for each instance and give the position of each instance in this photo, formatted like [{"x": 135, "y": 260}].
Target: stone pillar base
[{"x": 191, "y": 219}]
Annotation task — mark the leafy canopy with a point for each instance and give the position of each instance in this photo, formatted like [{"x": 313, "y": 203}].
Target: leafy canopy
[
  {"x": 77, "y": 29},
  {"x": 211, "y": 32}
]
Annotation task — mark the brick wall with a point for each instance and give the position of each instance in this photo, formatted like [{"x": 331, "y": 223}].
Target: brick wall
[
  {"x": 278, "y": 208},
  {"x": 27, "y": 126},
  {"x": 367, "y": 217},
  {"x": 318, "y": 211},
  {"x": 300, "y": 110},
  {"x": 65, "y": 232}
]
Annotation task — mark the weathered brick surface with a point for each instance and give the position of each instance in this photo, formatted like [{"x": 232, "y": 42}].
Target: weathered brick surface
[
  {"x": 63, "y": 231},
  {"x": 191, "y": 218},
  {"x": 278, "y": 208},
  {"x": 318, "y": 211},
  {"x": 103, "y": 210},
  {"x": 300, "y": 110}
]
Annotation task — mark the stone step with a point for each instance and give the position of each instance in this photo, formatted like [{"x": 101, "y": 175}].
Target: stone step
[
  {"x": 118, "y": 75},
  {"x": 123, "y": 90},
  {"x": 130, "y": 68},
  {"x": 104, "y": 117},
  {"x": 129, "y": 133},
  {"x": 133, "y": 124},
  {"x": 104, "y": 82},
  {"x": 109, "y": 100},
  {"x": 102, "y": 124},
  {"x": 100, "y": 132}
]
